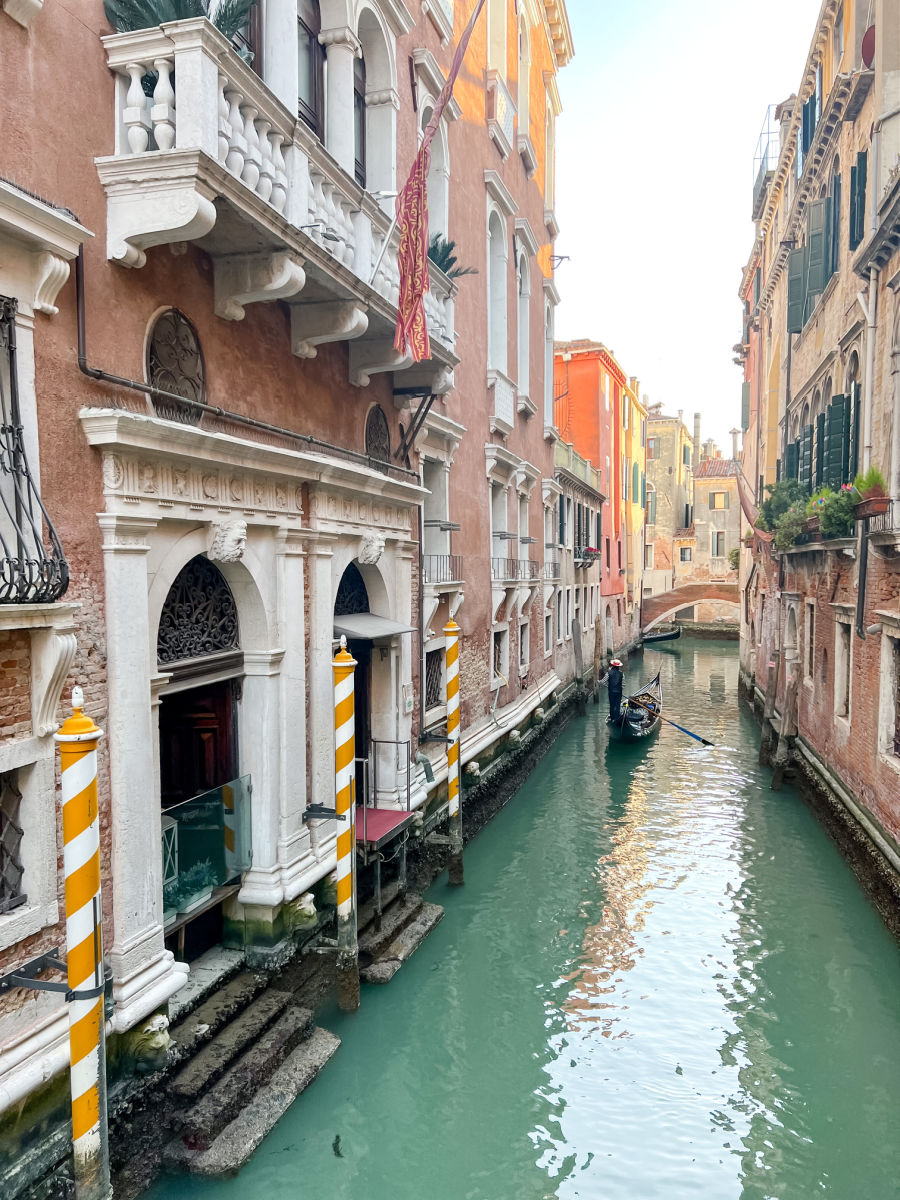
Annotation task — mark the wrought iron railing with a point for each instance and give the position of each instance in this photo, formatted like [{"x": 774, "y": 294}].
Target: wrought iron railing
[
  {"x": 33, "y": 568},
  {"x": 551, "y": 570},
  {"x": 442, "y": 568},
  {"x": 886, "y": 522},
  {"x": 514, "y": 568}
]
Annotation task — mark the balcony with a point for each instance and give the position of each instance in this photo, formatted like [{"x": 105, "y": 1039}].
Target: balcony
[
  {"x": 551, "y": 570},
  {"x": 214, "y": 158},
  {"x": 206, "y": 845},
  {"x": 884, "y": 529},
  {"x": 501, "y": 113},
  {"x": 765, "y": 160},
  {"x": 585, "y": 555},
  {"x": 503, "y": 409},
  {"x": 514, "y": 570},
  {"x": 442, "y": 568}
]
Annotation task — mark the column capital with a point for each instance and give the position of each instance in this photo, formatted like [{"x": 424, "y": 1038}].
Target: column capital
[
  {"x": 341, "y": 35},
  {"x": 291, "y": 541},
  {"x": 124, "y": 533}
]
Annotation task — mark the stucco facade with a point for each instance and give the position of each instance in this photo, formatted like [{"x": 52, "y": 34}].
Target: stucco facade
[{"x": 240, "y": 433}]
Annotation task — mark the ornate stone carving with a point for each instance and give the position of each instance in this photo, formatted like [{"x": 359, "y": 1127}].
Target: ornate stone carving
[
  {"x": 52, "y": 273},
  {"x": 113, "y": 471},
  {"x": 250, "y": 278},
  {"x": 371, "y": 548},
  {"x": 199, "y": 616},
  {"x": 53, "y": 651},
  {"x": 313, "y": 325},
  {"x": 228, "y": 541}
]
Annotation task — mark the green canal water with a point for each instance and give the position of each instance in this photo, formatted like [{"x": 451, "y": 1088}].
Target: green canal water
[{"x": 660, "y": 980}]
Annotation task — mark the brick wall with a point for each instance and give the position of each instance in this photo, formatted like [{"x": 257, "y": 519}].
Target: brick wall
[{"x": 15, "y": 683}]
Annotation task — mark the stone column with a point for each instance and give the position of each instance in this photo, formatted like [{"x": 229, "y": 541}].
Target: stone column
[
  {"x": 341, "y": 47},
  {"x": 295, "y": 854},
  {"x": 144, "y": 974},
  {"x": 319, "y": 686},
  {"x": 280, "y": 66}
]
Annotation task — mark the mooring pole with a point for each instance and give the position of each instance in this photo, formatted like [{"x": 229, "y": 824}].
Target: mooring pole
[
  {"x": 345, "y": 806},
  {"x": 78, "y": 739},
  {"x": 788, "y": 726},
  {"x": 451, "y": 660}
]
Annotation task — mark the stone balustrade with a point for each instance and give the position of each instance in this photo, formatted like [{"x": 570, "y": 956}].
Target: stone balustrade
[
  {"x": 195, "y": 125},
  {"x": 503, "y": 410}
]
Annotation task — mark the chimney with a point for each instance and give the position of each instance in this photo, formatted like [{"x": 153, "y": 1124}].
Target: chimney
[
  {"x": 734, "y": 446},
  {"x": 696, "y": 439}
]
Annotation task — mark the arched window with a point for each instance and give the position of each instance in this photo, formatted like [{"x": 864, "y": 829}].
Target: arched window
[
  {"x": 524, "y": 77},
  {"x": 359, "y": 120},
  {"x": 175, "y": 364},
  {"x": 311, "y": 67},
  {"x": 352, "y": 596},
  {"x": 438, "y": 183},
  {"x": 524, "y": 322},
  {"x": 374, "y": 115},
  {"x": 199, "y": 616},
  {"x": 378, "y": 436},
  {"x": 497, "y": 313},
  {"x": 651, "y": 504}
]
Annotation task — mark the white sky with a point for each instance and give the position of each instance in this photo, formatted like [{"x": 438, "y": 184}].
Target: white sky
[{"x": 662, "y": 107}]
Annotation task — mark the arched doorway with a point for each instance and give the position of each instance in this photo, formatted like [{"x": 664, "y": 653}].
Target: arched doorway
[
  {"x": 353, "y": 598},
  {"x": 205, "y": 812}
]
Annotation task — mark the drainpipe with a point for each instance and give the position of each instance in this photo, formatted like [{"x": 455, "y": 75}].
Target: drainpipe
[
  {"x": 421, "y": 511},
  {"x": 868, "y": 306}
]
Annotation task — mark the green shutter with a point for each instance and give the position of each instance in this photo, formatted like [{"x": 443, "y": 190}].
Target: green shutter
[
  {"x": 726, "y": 499},
  {"x": 791, "y": 460},
  {"x": 562, "y": 520},
  {"x": 805, "y": 468},
  {"x": 835, "y": 224},
  {"x": 815, "y": 240},
  {"x": 820, "y": 451},
  {"x": 757, "y": 284},
  {"x": 858, "y": 199},
  {"x": 855, "y": 421},
  {"x": 745, "y": 406},
  {"x": 836, "y": 455},
  {"x": 796, "y": 291}
]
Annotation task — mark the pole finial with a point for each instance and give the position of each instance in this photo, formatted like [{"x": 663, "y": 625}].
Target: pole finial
[
  {"x": 77, "y": 698},
  {"x": 343, "y": 641}
]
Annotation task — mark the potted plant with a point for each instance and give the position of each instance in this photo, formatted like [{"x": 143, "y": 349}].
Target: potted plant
[
  {"x": 871, "y": 489},
  {"x": 171, "y": 894},
  {"x": 836, "y": 520},
  {"x": 814, "y": 508},
  {"x": 789, "y": 527},
  {"x": 196, "y": 886}
]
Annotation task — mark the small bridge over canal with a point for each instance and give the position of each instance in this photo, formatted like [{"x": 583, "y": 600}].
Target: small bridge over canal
[{"x": 666, "y": 604}]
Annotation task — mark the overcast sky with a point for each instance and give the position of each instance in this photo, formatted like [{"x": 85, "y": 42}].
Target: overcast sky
[{"x": 662, "y": 107}]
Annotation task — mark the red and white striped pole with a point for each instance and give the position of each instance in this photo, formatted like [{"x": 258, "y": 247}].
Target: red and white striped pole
[
  {"x": 78, "y": 739},
  {"x": 454, "y": 790},
  {"x": 344, "y": 802}
]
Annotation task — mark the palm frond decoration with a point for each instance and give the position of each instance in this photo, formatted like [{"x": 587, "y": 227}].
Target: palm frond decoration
[
  {"x": 228, "y": 16},
  {"x": 442, "y": 252}
]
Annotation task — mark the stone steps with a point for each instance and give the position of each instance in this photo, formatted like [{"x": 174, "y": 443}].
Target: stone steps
[
  {"x": 224, "y": 1100},
  {"x": 203, "y": 1023},
  {"x": 237, "y": 1141},
  {"x": 395, "y": 918},
  {"x": 367, "y": 909},
  {"x": 407, "y": 939},
  {"x": 210, "y": 1063}
]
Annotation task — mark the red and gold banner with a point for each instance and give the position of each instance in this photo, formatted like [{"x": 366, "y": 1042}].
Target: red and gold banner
[{"x": 412, "y": 221}]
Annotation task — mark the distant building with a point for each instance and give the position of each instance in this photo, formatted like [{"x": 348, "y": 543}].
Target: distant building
[{"x": 669, "y": 540}]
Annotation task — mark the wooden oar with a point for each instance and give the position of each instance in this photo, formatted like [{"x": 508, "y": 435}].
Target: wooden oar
[{"x": 680, "y": 728}]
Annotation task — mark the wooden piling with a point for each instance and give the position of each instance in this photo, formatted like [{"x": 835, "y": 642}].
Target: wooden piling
[{"x": 788, "y": 726}]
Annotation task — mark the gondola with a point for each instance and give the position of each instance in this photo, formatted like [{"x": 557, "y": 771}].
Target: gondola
[
  {"x": 638, "y": 720},
  {"x": 662, "y": 634}
]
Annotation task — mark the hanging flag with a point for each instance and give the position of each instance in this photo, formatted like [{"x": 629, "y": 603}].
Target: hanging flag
[{"x": 412, "y": 220}]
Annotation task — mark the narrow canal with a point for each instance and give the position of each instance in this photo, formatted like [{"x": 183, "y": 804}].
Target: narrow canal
[{"x": 660, "y": 980}]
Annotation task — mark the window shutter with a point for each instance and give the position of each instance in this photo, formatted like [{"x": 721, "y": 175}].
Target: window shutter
[
  {"x": 745, "y": 406},
  {"x": 779, "y": 470},
  {"x": 757, "y": 282},
  {"x": 858, "y": 200},
  {"x": 796, "y": 291},
  {"x": 791, "y": 460},
  {"x": 711, "y": 500},
  {"x": 834, "y": 438},
  {"x": 855, "y": 417},
  {"x": 805, "y": 471},
  {"x": 820, "y": 451},
  {"x": 725, "y": 496},
  {"x": 835, "y": 224},
  {"x": 643, "y": 490},
  {"x": 815, "y": 242}
]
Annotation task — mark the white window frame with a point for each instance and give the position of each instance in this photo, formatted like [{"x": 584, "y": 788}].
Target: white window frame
[{"x": 843, "y": 668}]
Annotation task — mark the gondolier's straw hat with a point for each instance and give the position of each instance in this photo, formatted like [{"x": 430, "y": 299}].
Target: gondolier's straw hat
[{"x": 616, "y": 662}]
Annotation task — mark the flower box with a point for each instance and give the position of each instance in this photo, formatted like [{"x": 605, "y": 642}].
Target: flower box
[
  {"x": 194, "y": 900},
  {"x": 872, "y": 506}
]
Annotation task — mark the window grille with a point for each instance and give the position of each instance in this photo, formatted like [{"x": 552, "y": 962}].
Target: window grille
[
  {"x": 175, "y": 364},
  {"x": 434, "y": 678},
  {"x": 378, "y": 436},
  {"x": 11, "y": 833},
  {"x": 352, "y": 596},
  {"x": 498, "y": 654},
  {"x": 33, "y": 568},
  {"x": 199, "y": 616}
]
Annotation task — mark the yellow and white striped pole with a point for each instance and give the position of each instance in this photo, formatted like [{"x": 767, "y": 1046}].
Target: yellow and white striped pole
[
  {"x": 345, "y": 806},
  {"x": 451, "y": 669},
  {"x": 78, "y": 740}
]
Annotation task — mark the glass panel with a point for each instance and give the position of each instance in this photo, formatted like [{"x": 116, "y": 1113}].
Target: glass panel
[{"x": 206, "y": 843}]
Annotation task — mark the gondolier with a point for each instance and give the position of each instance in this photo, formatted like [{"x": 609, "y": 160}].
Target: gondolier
[{"x": 615, "y": 681}]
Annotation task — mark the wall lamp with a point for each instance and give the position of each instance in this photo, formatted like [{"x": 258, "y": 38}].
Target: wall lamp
[
  {"x": 327, "y": 235},
  {"x": 556, "y": 259}
]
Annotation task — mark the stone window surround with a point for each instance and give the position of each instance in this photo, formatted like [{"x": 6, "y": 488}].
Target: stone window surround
[
  {"x": 890, "y": 637},
  {"x": 843, "y": 616}
]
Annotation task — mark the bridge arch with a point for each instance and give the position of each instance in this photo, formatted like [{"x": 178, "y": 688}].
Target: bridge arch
[{"x": 666, "y": 604}]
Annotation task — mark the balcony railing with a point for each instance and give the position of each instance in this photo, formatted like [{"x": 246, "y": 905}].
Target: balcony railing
[
  {"x": 501, "y": 112},
  {"x": 551, "y": 570},
  {"x": 887, "y": 522},
  {"x": 442, "y": 568},
  {"x": 503, "y": 412},
  {"x": 514, "y": 569},
  {"x": 206, "y": 844},
  {"x": 212, "y": 131},
  {"x": 765, "y": 160},
  {"x": 33, "y": 568}
]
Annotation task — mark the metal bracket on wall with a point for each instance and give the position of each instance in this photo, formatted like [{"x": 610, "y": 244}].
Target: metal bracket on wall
[{"x": 318, "y": 812}]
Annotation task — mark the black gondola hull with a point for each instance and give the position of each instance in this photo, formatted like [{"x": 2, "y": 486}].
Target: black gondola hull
[
  {"x": 668, "y": 635},
  {"x": 641, "y": 715}
]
